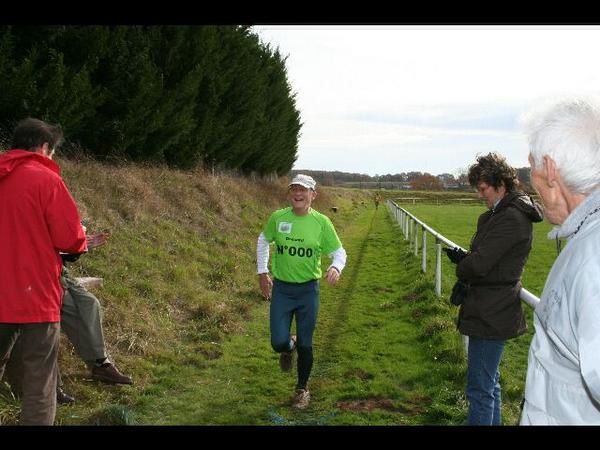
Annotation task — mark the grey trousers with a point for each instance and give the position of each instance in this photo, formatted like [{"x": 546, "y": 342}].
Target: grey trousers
[
  {"x": 81, "y": 320},
  {"x": 38, "y": 360}
]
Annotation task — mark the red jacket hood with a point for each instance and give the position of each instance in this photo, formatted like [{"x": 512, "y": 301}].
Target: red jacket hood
[{"x": 12, "y": 159}]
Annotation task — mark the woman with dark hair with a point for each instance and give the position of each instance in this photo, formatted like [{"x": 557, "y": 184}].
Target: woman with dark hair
[{"x": 492, "y": 312}]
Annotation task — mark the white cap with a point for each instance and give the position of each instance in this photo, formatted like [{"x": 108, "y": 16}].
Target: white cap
[{"x": 304, "y": 180}]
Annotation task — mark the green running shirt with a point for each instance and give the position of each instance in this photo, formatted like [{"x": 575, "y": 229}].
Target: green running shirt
[{"x": 299, "y": 243}]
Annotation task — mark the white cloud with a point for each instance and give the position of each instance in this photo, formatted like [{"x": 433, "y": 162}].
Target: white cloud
[{"x": 387, "y": 99}]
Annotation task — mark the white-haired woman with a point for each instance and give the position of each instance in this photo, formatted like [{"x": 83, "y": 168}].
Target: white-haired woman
[{"x": 563, "y": 374}]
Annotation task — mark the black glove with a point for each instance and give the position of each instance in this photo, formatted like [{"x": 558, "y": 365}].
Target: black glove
[
  {"x": 455, "y": 254},
  {"x": 70, "y": 257}
]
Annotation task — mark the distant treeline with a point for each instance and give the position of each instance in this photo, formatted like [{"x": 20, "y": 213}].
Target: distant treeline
[
  {"x": 181, "y": 95},
  {"x": 405, "y": 180}
]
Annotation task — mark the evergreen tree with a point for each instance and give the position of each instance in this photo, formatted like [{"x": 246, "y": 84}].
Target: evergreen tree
[
  {"x": 185, "y": 95},
  {"x": 133, "y": 88},
  {"x": 187, "y": 57}
]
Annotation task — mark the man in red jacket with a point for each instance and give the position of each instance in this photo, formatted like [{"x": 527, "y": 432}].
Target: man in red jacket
[{"x": 39, "y": 219}]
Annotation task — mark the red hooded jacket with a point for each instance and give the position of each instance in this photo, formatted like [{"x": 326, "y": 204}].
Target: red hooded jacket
[{"x": 38, "y": 218}]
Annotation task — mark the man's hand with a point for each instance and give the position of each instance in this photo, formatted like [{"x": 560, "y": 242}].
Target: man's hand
[
  {"x": 455, "y": 254},
  {"x": 266, "y": 285},
  {"x": 96, "y": 240},
  {"x": 332, "y": 276}
]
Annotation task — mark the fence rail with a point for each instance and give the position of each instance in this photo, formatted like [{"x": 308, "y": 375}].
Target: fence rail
[
  {"x": 409, "y": 225},
  {"x": 438, "y": 200}
]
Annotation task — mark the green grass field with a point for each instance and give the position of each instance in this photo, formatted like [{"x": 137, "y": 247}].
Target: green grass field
[{"x": 386, "y": 351}]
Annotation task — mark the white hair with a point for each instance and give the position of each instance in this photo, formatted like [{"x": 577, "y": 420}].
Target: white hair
[{"x": 568, "y": 132}]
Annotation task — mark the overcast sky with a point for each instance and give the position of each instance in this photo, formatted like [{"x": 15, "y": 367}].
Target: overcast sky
[{"x": 390, "y": 99}]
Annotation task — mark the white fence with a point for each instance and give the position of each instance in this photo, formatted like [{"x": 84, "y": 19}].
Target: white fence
[{"x": 410, "y": 225}]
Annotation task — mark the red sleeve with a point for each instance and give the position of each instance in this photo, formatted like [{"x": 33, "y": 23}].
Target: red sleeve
[{"x": 64, "y": 223}]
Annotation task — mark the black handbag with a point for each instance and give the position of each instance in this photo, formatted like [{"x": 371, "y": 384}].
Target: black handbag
[{"x": 459, "y": 293}]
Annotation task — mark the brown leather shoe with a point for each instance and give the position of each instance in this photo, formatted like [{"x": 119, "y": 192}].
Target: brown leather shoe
[
  {"x": 62, "y": 398},
  {"x": 108, "y": 373},
  {"x": 301, "y": 399}
]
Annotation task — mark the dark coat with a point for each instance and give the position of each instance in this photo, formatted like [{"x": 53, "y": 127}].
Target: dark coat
[{"x": 493, "y": 269}]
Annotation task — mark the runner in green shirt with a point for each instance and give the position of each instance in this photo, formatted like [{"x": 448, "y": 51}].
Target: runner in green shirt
[{"x": 300, "y": 236}]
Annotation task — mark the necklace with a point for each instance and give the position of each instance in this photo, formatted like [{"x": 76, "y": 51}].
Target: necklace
[
  {"x": 584, "y": 219},
  {"x": 559, "y": 242}
]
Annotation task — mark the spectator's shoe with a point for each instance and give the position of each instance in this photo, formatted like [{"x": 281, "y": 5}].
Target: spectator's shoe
[
  {"x": 108, "y": 373},
  {"x": 62, "y": 398},
  {"x": 301, "y": 399},
  {"x": 286, "y": 359}
]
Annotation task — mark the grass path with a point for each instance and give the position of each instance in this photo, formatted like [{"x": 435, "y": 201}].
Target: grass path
[{"x": 370, "y": 366}]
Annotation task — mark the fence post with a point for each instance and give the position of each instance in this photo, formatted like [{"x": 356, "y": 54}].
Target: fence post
[
  {"x": 424, "y": 252},
  {"x": 438, "y": 267},
  {"x": 403, "y": 224},
  {"x": 416, "y": 240},
  {"x": 400, "y": 221}
]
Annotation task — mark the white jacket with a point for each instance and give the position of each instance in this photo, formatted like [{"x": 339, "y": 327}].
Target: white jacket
[{"x": 563, "y": 373}]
